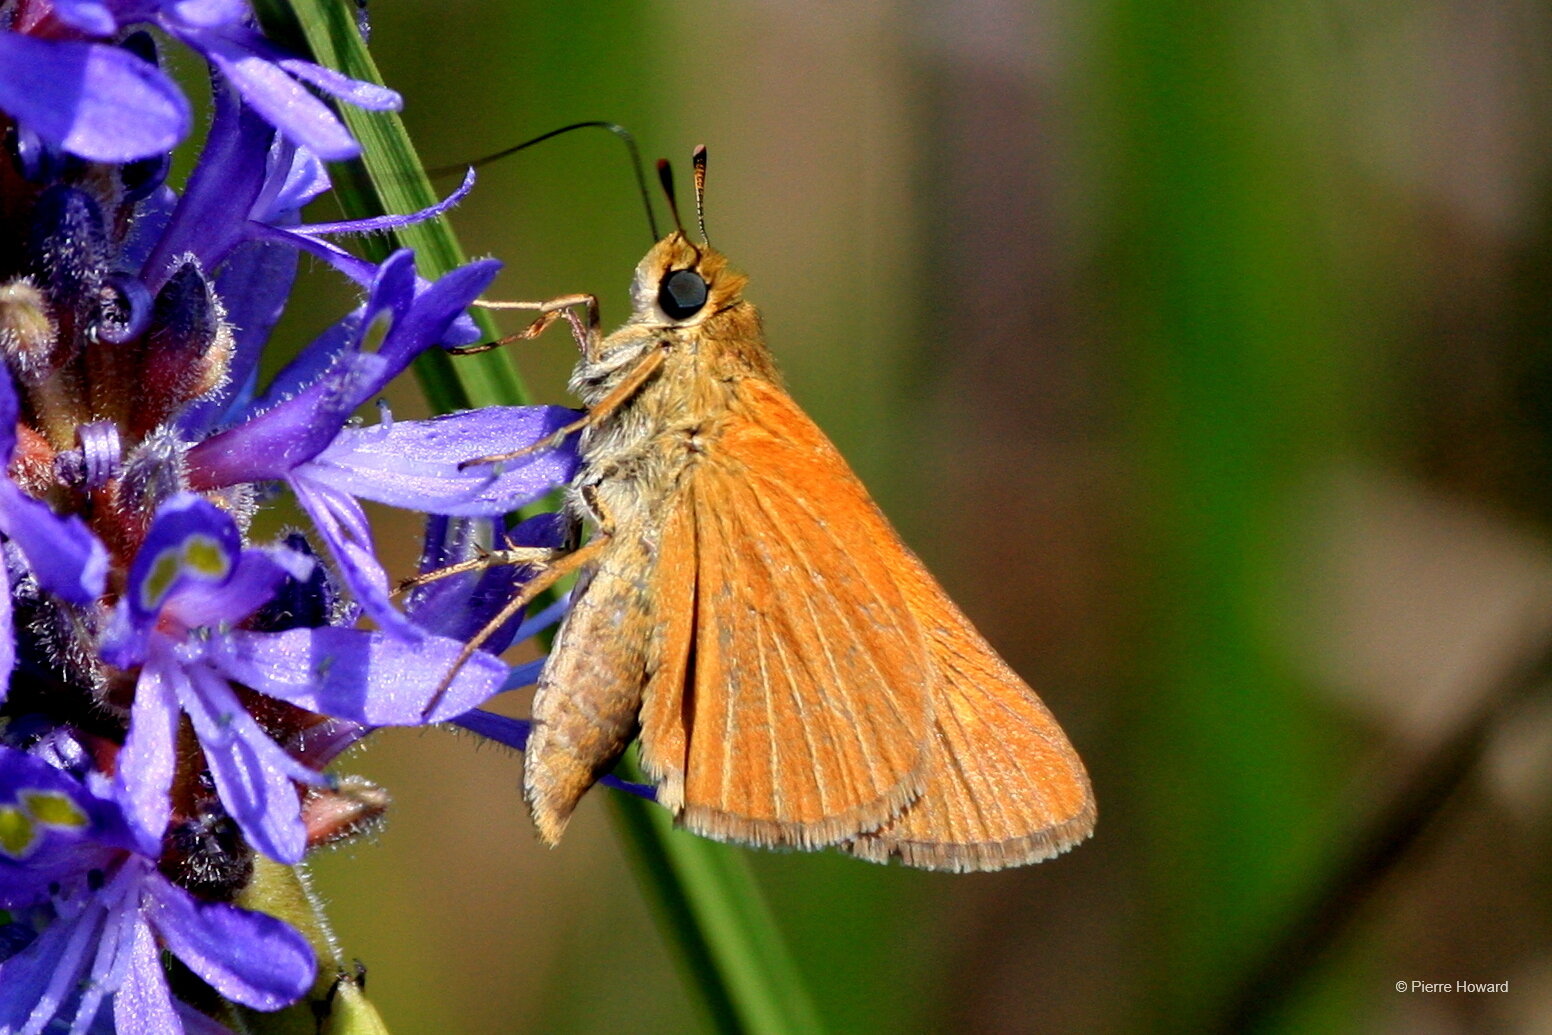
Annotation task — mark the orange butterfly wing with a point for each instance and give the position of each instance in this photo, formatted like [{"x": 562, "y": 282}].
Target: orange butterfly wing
[
  {"x": 775, "y": 564},
  {"x": 1004, "y": 787},
  {"x": 787, "y": 702}
]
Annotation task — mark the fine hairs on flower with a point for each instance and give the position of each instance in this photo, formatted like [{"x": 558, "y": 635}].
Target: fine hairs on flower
[{"x": 171, "y": 689}]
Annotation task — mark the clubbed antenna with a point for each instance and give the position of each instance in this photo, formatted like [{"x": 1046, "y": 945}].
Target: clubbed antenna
[
  {"x": 665, "y": 175},
  {"x": 698, "y": 160}
]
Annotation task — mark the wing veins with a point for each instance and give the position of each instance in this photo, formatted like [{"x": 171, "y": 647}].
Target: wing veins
[
  {"x": 840, "y": 613},
  {"x": 855, "y": 779}
]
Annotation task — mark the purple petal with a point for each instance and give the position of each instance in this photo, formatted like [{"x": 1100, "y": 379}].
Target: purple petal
[
  {"x": 191, "y": 542},
  {"x": 86, "y": 931},
  {"x": 152, "y": 217},
  {"x": 415, "y": 464},
  {"x": 343, "y": 525},
  {"x": 352, "y": 91},
  {"x": 366, "y": 677},
  {"x": 526, "y": 674},
  {"x": 149, "y": 756},
  {"x": 247, "y": 957},
  {"x": 37, "y": 979},
  {"x": 305, "y": 179},
  {"x": 393, "y": 289},
  {"x": 253, "y": 774},
  {"x": 194, "y": 1022},
  {"x": 503, "y": 729},
  {"x": 10, "y": 413},
  {"x": 376, "y": 223},
  {"x": 311, "y": 364},
  {"x": 271, "y": 444},
  {"x": 206, "y": 14},
  {"x": 7, "y": 636},
  {"x": 271, "y": 92},
  {"x": 323, "y": 742},
  {"x": 258, "y": 574},
  {"x": 357, "y": 269},
  {"x": 67, "y": 559},
  {"x": 144, "y": 1002},
  {"x": 89, "y": 17},
  {"x": 91, "y": 99},
  {"x": 435, "y": 309},
  {"x": 212, "y": 216},
  {"x": 126, "y": 640},
  {"x": 462, "y": 605},
  {"x": 75, "y": 832},
  {"x": 121, "y": 901}
]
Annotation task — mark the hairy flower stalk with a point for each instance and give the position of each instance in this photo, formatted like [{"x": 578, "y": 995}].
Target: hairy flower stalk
[{"x": 171, "y": 692}]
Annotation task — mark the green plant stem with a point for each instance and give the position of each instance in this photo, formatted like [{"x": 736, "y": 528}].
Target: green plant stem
[
  {"x": 389, "y": 178},
  {"x": 723, "y": 933},
  {"x": 709, "y": 907}
]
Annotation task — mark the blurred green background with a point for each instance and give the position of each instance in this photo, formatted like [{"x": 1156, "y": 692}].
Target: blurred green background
[{"x": 1201, "y": 349}]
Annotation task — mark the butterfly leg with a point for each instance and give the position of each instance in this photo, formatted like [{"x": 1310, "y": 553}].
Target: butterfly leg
[
  {"x": 548, "y": 575},
  {"x": 529, "y": 556},
  {"x": 586, "y": 335},
  {"x": 620, "y": 394}
]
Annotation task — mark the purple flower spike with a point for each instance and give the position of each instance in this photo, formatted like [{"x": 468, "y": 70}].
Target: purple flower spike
[
  {"x": 192, "y": 573},
  {"x": 302, "y": 438},
  {"x": 176, "y": 689}
]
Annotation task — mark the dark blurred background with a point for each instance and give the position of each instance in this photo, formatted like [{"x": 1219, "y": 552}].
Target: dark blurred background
[{"x": 1201, "y": 349}]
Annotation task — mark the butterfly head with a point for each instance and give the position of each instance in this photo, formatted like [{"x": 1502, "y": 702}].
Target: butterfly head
[{"x": 683, "y": 284}]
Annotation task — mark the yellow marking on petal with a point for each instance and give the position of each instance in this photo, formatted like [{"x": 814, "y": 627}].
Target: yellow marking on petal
[
  {"x": 51, "y": 808},
  {"x": 18, "y": 833},
  {"x": 205, "y": 556},
  {"x": 163, "y": 570},
  {"x": 198, "y": 554}
]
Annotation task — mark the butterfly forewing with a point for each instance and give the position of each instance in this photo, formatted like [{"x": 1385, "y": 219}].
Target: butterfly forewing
[
  {"x": 804, "y": 715},
  {"x": 669, "y": 694}
]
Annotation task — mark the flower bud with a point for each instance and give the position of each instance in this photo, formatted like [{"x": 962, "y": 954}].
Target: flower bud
[{"x": 27, "y": 332}]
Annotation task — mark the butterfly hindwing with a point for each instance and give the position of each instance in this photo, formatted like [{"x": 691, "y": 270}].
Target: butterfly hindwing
[{"x": 1003, "y": 787}]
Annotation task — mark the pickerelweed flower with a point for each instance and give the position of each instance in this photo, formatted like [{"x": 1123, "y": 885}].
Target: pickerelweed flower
[
  {"x": 173, "y": 691},
  {"x": 91, "y": 912}
]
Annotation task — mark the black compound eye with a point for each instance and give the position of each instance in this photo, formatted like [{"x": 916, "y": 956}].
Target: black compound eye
[{"x": 682, "y": 294}]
